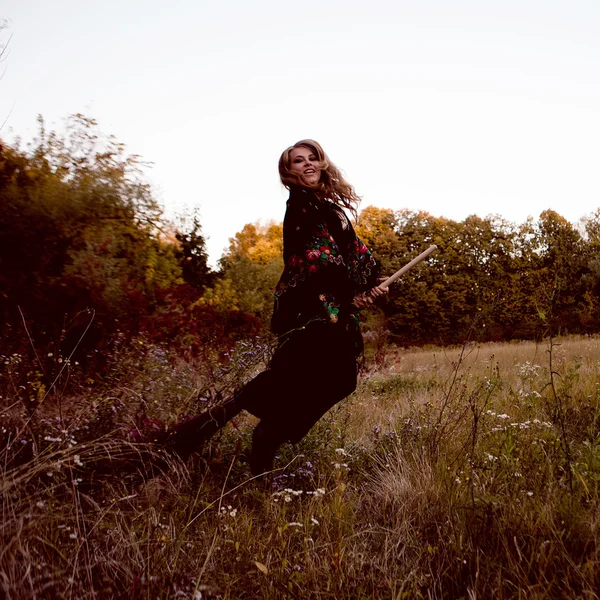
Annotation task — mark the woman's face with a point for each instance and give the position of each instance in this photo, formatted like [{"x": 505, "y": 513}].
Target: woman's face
[{"x": 303, "y": 161}]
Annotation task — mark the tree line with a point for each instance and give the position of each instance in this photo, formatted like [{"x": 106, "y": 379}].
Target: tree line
[
  {"x": 85, "y": 248},
  {"x": 491, "y": 279}
]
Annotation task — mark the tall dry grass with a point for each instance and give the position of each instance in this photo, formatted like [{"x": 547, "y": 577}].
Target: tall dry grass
[{"x": 451, "y": 473}]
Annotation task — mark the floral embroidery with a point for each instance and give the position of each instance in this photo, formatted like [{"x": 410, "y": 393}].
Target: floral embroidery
[
  {"x": 313, "y": 255},
  {"x": 320, "y": 252},
  {"x": 332, "y": 308}
]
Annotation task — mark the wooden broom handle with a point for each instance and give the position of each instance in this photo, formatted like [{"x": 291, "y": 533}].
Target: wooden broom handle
[{"x": 406, "y": 267}]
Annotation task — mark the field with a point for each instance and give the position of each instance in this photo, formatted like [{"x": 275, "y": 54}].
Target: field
[{"x": 468, "y": 472}]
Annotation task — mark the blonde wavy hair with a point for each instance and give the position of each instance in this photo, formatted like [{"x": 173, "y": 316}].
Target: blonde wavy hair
[{"x": 332, "y": 184}]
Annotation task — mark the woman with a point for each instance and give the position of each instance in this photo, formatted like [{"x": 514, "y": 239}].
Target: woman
[{"x": 329, "y": 275}]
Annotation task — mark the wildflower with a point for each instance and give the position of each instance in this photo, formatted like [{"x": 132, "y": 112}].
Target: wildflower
[
  {"x": 77, "y": 460},
  {"x": 228, "y": 510},
  {"x": 295, "y": 524},
  {"x": 341, "y": 452},
  {"x": 340, "y": 465},
  {"x": 314, "y": 521}
]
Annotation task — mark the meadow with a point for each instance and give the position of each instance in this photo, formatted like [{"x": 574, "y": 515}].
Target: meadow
[{"x": 467, "y": 472}]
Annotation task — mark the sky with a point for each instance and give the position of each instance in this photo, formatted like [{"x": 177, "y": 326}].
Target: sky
[{"x": 455, "y": 108}]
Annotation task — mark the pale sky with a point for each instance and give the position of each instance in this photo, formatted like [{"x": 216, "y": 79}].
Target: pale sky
[{"x": 453, "y": 107}]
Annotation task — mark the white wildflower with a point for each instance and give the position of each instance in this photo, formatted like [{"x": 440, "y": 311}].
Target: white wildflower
[{"x": 340, "y": 465}]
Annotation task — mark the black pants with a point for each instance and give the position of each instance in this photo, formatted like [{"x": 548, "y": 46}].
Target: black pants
[{"x": 312, "y": 369}]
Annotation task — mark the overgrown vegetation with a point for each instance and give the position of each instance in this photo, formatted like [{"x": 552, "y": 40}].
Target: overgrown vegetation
[{"x": 449, "y": 474}]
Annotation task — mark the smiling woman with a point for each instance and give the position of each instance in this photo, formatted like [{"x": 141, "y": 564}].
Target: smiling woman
[
  {"x": 305, "y": 164},
  {"x": 329, "y": 275}
]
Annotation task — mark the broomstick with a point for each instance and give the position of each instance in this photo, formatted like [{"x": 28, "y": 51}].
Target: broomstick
[{"x": 386, "y": 284}]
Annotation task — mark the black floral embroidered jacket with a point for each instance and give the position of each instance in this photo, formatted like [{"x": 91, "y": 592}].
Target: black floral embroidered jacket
[{"x": 326, "y": 265}]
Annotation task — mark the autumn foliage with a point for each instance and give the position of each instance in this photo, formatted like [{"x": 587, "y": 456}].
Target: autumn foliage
[
  {"x": 85, "y": 248},
  {"x": 85, "y": 253},
  {"x": 491, "y": 279}
]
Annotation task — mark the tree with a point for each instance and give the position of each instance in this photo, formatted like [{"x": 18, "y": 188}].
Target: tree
[
  {"x": 79, "y": 229},
  {"x": 192, "y": 253},
  {"x": 250, "y": 269},
  {"x": 560, "y": 273}
]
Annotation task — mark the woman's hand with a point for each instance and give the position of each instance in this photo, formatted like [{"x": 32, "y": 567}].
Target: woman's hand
[{"x": 366, "y": 298}]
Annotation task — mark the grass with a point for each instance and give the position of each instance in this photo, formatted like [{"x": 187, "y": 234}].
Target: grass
[{"x": 451, "y": 473}]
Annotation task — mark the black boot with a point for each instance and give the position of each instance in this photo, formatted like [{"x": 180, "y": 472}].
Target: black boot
[
  {"x": 188, "y": 437},
  {"x": 265, "y": 443}
]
